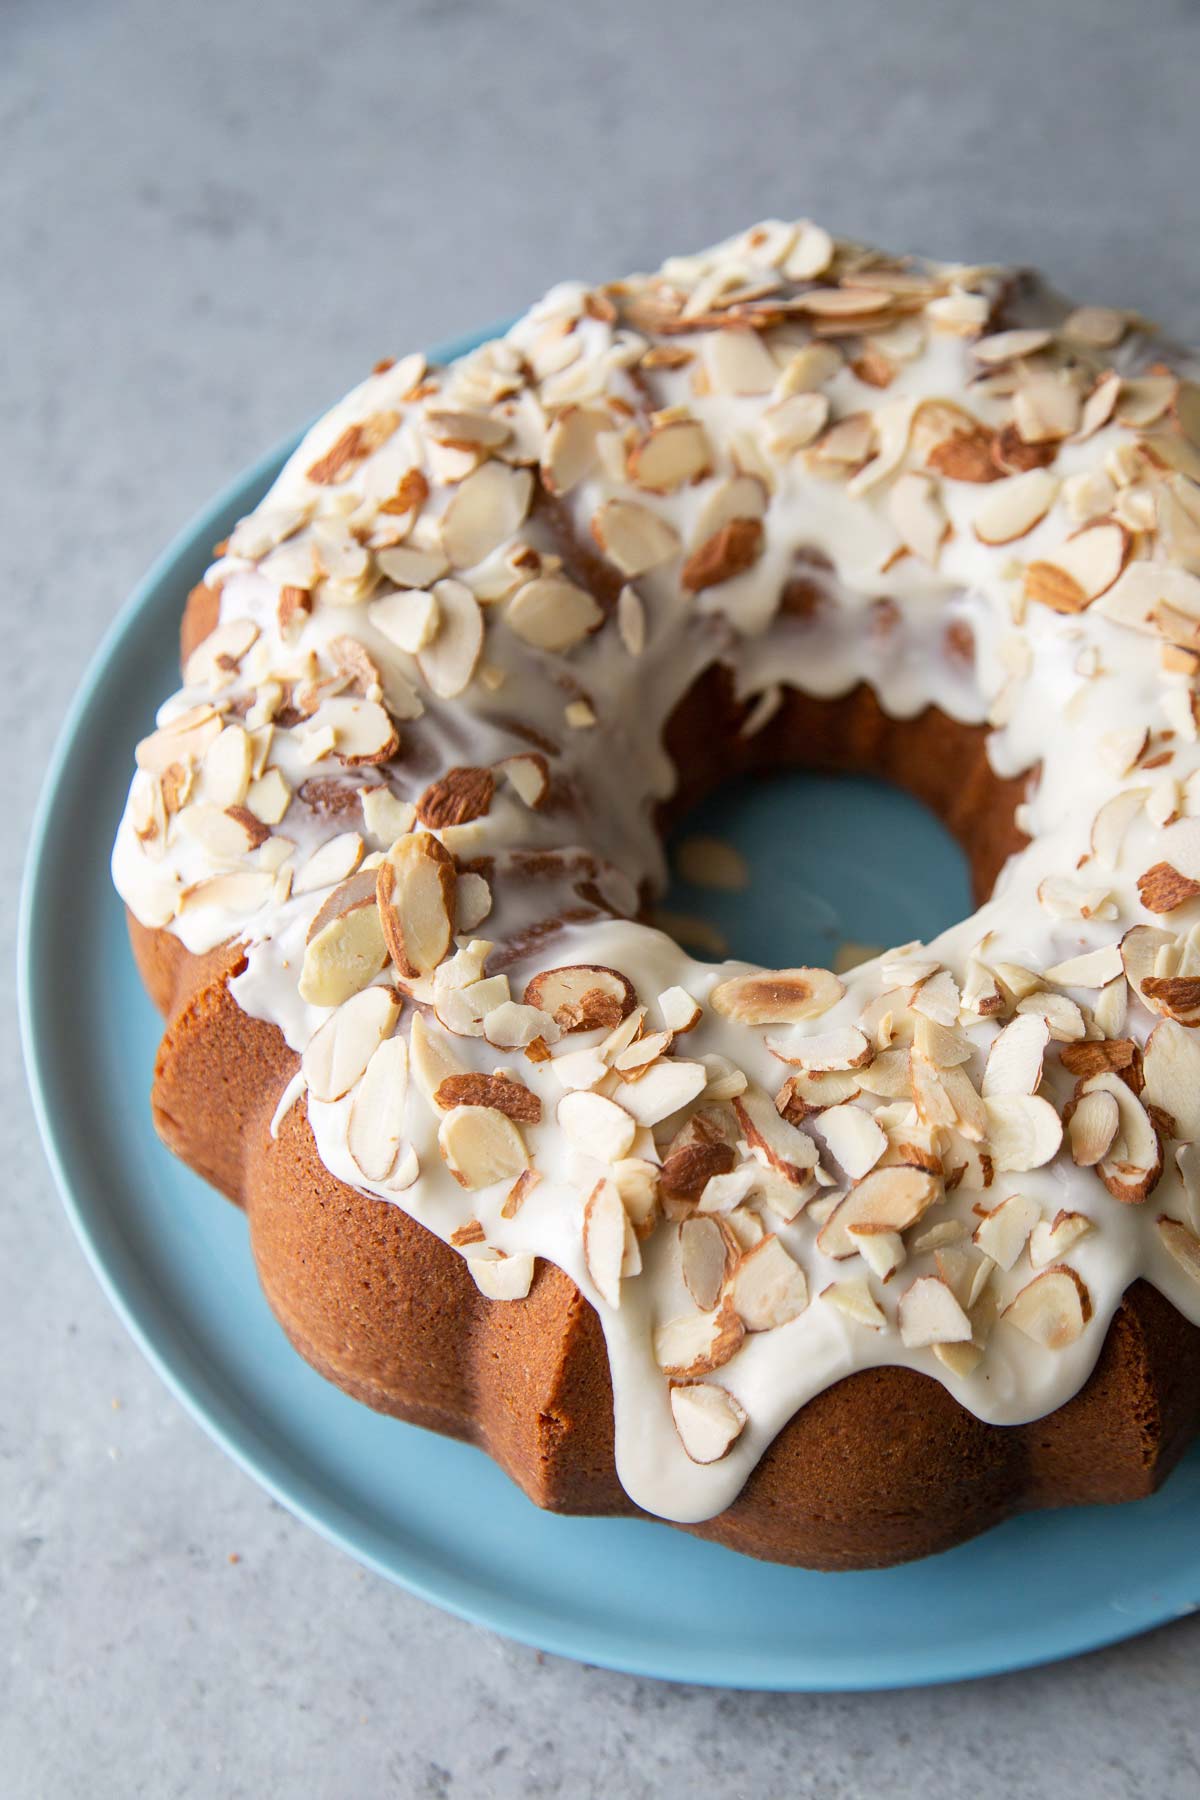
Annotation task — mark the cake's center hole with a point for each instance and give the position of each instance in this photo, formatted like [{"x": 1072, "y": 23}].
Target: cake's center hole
[{"x": 798, "y": 868}]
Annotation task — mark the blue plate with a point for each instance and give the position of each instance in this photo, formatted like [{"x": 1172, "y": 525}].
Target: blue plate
[{"x": 434, "y": 1515}]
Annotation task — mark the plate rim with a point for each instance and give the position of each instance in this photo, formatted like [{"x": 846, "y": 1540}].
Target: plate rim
[{"x": 244, "y": 1442}]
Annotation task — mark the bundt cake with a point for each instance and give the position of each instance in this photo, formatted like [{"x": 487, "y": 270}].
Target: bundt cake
[{"x": 835, "y": 1268}]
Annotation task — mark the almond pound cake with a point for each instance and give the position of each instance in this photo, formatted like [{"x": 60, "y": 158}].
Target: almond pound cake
[{"x": 835, "y": 1269}]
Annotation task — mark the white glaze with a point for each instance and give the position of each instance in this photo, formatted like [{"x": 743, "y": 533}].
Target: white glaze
[{"x": 1056, "y": 717}]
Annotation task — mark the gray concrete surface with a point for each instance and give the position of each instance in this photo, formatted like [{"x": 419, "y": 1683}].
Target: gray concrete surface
[{"x": 211, "y": 217}]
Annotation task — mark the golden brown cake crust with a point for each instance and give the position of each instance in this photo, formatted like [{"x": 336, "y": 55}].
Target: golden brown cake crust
[{"x": 883, "y": 1467}]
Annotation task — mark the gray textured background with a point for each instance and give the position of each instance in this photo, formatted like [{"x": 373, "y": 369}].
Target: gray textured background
[{"x": 212, "y": 218}]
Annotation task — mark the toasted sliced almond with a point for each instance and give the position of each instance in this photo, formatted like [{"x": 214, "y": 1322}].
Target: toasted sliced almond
[
  {"x": 605, "y": 1229},
  {"x": 853, "y": 1138},
  {"x": 633, "y": 537},
  {"x": 376, "y": 1123},
  {"x": 708, "y": 1420},
  {"x": 569, "y": 451},
  {"x": 1092, "y": 1128},
  {"x": 704, "y": 1254},
  {"x": 1013, "y": 507},
  {"x": 674, "y": 455},
  {"x": 1051, "y": 1239},
  {"x": 511, "y": 1026},
  {"x": 887, "y": 1200},
  {"x": 826, "y": 1052},
  {"x": 768, "y": 1287},
  {"x": 1183, "y": 1245},
  {"x": 582, "y": 996},
  {"x": 1002, "y": 1233},
  {"x": 1023, "y": 1132},
  {"x": 410, "y": 567},
  {"x": 1095, "y": 968},
  {"x": 697, "y": 1343},
  {"x": 929, "y": 1314},
  {"x": 1052, "y": 1309},
  {"x": 448, "y": 660},
  {"x": 480, "y": 1146},
  {"x": 484, "y": 512},
  {"x": 338, "y": 1052},
  {"x": 1131, "y": 1167},
  {"x": 551, "y": 613},
  {"x": 777, "y": 996},
  {"x": 503, "y": 1277},
  {"x": 415, "y": 895},
  {"x": 1014, "y": 1063},
  {"x": 596, "y": 1126},
  {"x": 1172, "y": 1073},
  {"x": 854, "y": 1299},
  {"x": 729, "y": 552}
]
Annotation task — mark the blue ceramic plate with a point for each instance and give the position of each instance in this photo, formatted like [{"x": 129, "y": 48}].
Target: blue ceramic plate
[{"x": 434, "y": 1515}]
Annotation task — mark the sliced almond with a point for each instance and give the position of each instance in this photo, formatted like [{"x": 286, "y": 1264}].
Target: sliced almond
[
  {"x": 1051, "y": 1239},
  {"x": 480, "y": 1146},
  {"x": 1003, "y": 1233},
  {"x": 376, "y": 1124},
  {"x": 457, "y": 797},
  {"x": 1092, "y": 1128},
  {"x": 671, "y": 457},
  {"x": 484, "y": 512},
  {"x": 854, "y": 1299},
  {"x": 448, "y": 661},
  {"x": 551, "y": 613},
  {"x": 582, "y": 996},
  {"x": 780, "y": 1146},
  {"x": 569, "y": 451},
  {"x": 708, "y": 1420},
  {"x": 777, "y": 996},
  {"x": 503, "y": 1277},
  {"x": 827, "y": 1052},
  {"x": 596, "y": 1126},
  {"x": 768, "y": 1288},
  {"x": 1172, "y": 1075},
  {"x": 605, "y": 1229},
  {"x": 410, "y": 620},
  {"x": 889, "y": 1200},
  {"x": 704, "y": 1259},
  {"x": 730, "y": 551},
  {"x": 1014, "y": 1062},
  {"x": 852, "y": 1138},
  {"x": 415, "y": 895},
  {"x": 1052, "y": 1309},
  {"x": 337, "y": 1054},
  {"x": 697, "y": 1343},
  {"x": 346, "y": 948},
  {"x": 1183, "y": 1245},
  {"x": 511, "y": 1026},
  {"x": 633, "y": 537},
  {"x": 1023, "y": 1132},
  {"x": 410, "y": 567},
  {"x": 529, "y": 774},
  {"x": 929, "y": 1314},
  {"x": 1013, "y": 507},
  {"x": 917, "y": 513},
  {"x": 1131, "y": 1168}
]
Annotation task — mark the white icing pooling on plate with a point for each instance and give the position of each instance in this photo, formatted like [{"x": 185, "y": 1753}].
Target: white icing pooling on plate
[{"x": 898, "y": 590}]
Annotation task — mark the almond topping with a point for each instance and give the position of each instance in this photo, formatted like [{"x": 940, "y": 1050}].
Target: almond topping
[
  {"x": 415, "y": 895},
  {"x": 480, "y": 1146},
  {"x": 376, "y": 1123},
  {"x": 460, "y": 795},
  {"x": 338, "y": 1052},
  {"x": 582, "y": 997},
  {"x": 707, "y": 1418},
  {"x": 704, "y": 1259},
  {"x": 929, "y": 1314},
  {"x": 633, "y": 537},
  {"x": 1183, "y": 1245},
  {"x": 671, "y": 457},
  {"x": 551, "y": 613},
  {"x": 732, "y": 550},
  {"x": 605, "y": 1232},
  {"x": 510, "y": 1097},
  {"x": 1092, "y": 1128},
  {"x": 777, "y": 996},
  {"x": 768, "y": 1288},
  {"x": 1052, "y": 1309},
  {"x": 484, "y": 512},
  {"x": 698, "y": 1343}
]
